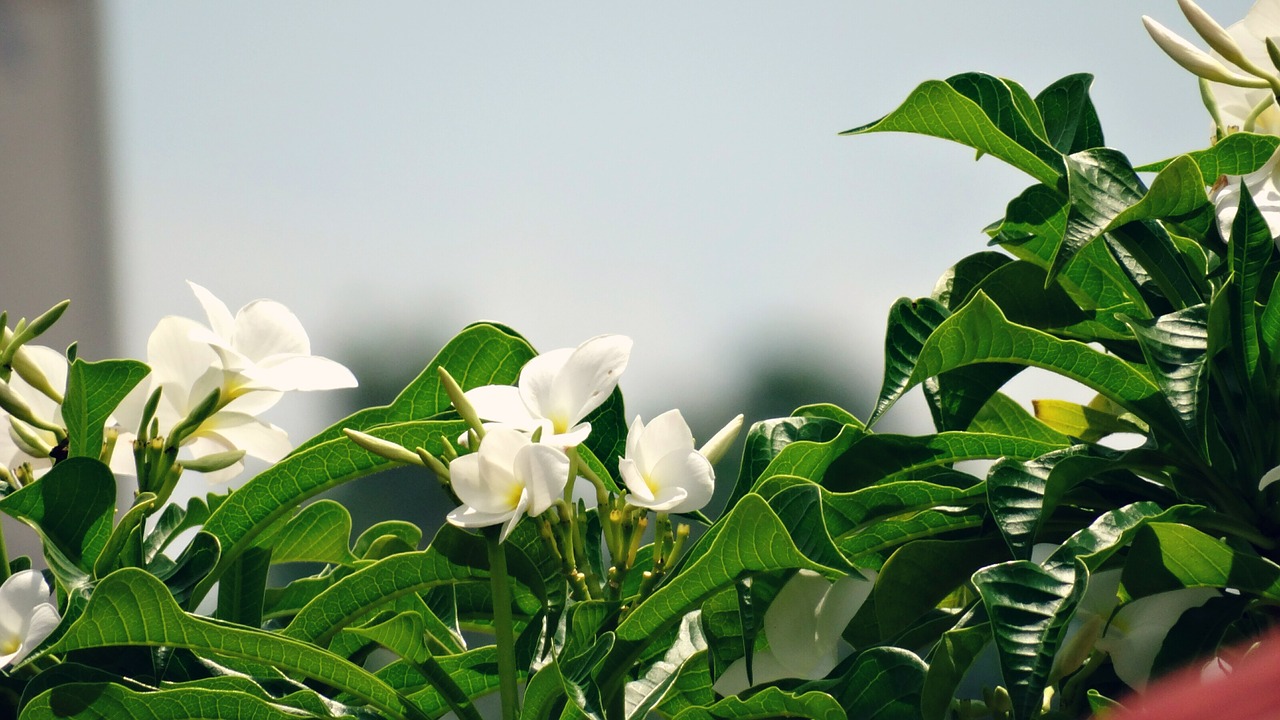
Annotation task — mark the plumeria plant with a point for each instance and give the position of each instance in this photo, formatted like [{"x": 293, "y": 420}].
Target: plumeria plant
[{"x": 582, "y": 570}]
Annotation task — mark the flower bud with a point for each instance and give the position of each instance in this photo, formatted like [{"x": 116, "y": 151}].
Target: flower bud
[
  {"x": 384, "y": 448},
  {"x": 719, "y": 444},
  {"x": 214, "y": 461},
  {"x": 1218, "y": 38},
  {"x": 1196, "y": 60}
]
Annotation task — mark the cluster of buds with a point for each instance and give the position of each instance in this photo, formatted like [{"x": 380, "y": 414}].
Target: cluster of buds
[
  {"x": 1240, "y": 84},
  {"x": 32, "y": 382},
  {"x": 523, "y": 455}
]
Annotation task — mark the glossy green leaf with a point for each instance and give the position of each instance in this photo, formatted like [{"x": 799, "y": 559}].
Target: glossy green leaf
[
  {"x": 93, "y": 392},
  {"x": 882, "y": 683},
  {"x": 1239, "y": 153},
  {"x": 1002, "y": 415},
  {"x": 979, "y": 333},
  {"x": 1176, "y": 348},
  {"x": 405, "y": 532},
  {"x": 650, "y": 689},
  {"x": 1168, "y": 556},
  {"x": 981, "y": 112},
  {"x": 884, "y": 458},
  {"x": 959, "y": 281},
  {"x": 828, "y": 411},
  {"x": 955, "y": 652},
  {"x": 124, "y": 546},
  {"x": 608, "y": 438},
  {"x": 920, "y": 574},
  {"x": 109, "y": 701},
  {"x": 482, "y": 354},
  {"x": 275, "y": 492},
  {"x": 1070, "y": 120},
  {"x": 1029, "y": 609},
  {"x": 1251, "y": 248},
  {"x": 318, "y": 533},
  {"x": 406, "y": 634},
  {"x": 910, "y": 324},
  {"x": 176, "y": 518},
  {"x": 71, "y": 507},
  {"x": 129, "y": 607},
  {"x": 1090, "y": 423},
  {"x": 769, "y": 703},
  {"x": 240, "y": 591},
  {"x": 752, "y": 539},
  {"x": 768, "y": 439},
  {"x": 1110, "y": 532}
]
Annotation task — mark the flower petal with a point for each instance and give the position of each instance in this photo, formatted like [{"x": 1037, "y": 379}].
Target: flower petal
[
  {"x": 243, "y": 432},
  {"x": 265, "y": 328},
  {"x": 301, "y": 372},
  {"x": 791, "y": 622},
  {"x": 219, "y": 315},
  {"x": 19, "y": 596},
  {"x": 664, "y": 435},
  {"x": 589, "y": 376},
  {"x": 545, "y": 471},
  {"x": 765, "y": 668},
  {"x": 537, "y": 379},
  {"x": 1138, "y": 630},
  {"x": 501, "y": 404},
  {"x": 174, "y": 356},
  {"x": 641, "y": 495},
  {"x": 687, "y": 471},
  {"x": 44, "y": 619},
  {"x": 842, "y": 602}
]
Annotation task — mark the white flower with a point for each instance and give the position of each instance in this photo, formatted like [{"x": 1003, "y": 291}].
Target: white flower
[
  {"x": 14, "y": 448},
  {"x": 557, "y": 389},
  {"x": 1269, "y": 477},
  {"x": 1138, "y": 630},
  {"x": 802, "y": 626},
  {"x": 508, "y": 476},
  {"x": 264, "y": 347},
  {"x": 1263, "y": 185},
  {"x": 28, "y": 615},
  {"x": 251, "y": 359},
  {"x": 1250, "y": 34},
  {"x": 662, "y": 470}
]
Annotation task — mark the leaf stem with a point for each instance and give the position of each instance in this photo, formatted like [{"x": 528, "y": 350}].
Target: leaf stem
[{"x": 504, "y": 632}]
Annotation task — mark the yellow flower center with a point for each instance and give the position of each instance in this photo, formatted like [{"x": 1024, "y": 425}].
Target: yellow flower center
[{"x": 10, "y": 645}]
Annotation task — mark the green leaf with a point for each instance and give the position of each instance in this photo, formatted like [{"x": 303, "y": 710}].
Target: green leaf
[
  {"x": 1251, "y": 247},
  {"x": 910, "y": 324},
  {"x": 482, "y": 354},
  {"x": 125, "y": 538},
  {"x": 406, "y": 533},
  {"x": 768, "y": 440},
  {"x": 883, "y": 683},
  {"x": 109, "y": 701},
  {"x": 829, "y": 412},
  {"x": 318, "y": 533},
  {"x": 981, "y": 112},
  {"x": 1002, "y": 415},
  {"x": 752, "y": 539},
  {"x": 920, "y": 574},
  {"x": 952, "y": 657},
  {"x": 608, "y": 438},
  {"x": 1169, "y": 556},
  {"x": 769, "y": 703},
  {"x": 1175, "y": 346},
  {"x": 71, "y": 508},
  {"x": 240, "y": 592},
  {"x": 651, "y": 688},
  {"x": 1070, "y": 120},
  {"x": 93, "y": 392},
  {"x": 959, "y": 281},
  {"x": 979, "y": 333},
  {"x": 956, "y": 396},
  {"x": 129, "y": 607},
  {"x": 273, "y": 493},
  {"x": 1029, "y": 609},
  {"x": 1239, "y": 153},
  {"x": 884, "y": 458},
  {"x": 405, "y": 634},
  {"x": 1091, "y": 422},
  {"x": 1103, "y": 191}
]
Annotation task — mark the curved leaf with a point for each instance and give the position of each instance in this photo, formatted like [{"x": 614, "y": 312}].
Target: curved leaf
[
  {"x": 71, "y": 507},
  {"x": 1239, "y": 153},
  {"x": 1169, "y": 556},
  {"x": 1070, "y": 120},
  {"x": 93, "y": 392},
  {"x": 108, "y": 701},
  {"x": 769, "y": 703}
]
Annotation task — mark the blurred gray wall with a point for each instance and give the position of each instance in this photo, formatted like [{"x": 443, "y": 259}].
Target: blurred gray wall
[{"x": 54, "y": 221}]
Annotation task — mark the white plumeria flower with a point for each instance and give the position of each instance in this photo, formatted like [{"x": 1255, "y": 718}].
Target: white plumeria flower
[
  {"x": 1263, "y": 185},
  {"x": 28, "y": 614},
  {"x": 802, "y": 626},
  {"x": 1138, "y": 630},
  {"x": 1250, "y": 35},
  {"x": 251, "y": 359},
  {"x": 662, "y": 469},
  {"x": 264, "y": 347},
  {"x": 509, "y": 476},
  {"x": 14, "y": 450},
  {"x": 1269, "y": 477},
  {"x": 556, "y": 390}
]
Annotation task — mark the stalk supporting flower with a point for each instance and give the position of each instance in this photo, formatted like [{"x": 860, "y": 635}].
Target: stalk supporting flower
[
  {"x": 28, "y": 614},
  {"x": 557, "y": 389}
]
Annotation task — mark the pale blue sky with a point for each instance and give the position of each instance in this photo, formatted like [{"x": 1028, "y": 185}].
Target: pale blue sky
[{"x": 668, "y": 170}]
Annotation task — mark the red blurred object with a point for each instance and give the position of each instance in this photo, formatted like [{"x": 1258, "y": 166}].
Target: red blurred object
[{"x": 1249, "y": 691}]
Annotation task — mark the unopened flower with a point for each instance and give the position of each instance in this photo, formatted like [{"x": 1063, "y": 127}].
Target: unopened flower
[
  {"x": 662, "y": 469},
  {"x": 28, "y": 614},
  {"x": 509, "y": 476},
  {"x": 802, "y": 627},
  {"x": 22, "y": 442},
  {"x": 556, "y": 390},
  {"x": 1139, "y": 628}
]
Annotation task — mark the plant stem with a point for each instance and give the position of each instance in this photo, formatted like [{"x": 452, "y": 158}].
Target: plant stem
[
  {"x": 4, "y": 556},
  {"x": 504, "y": 631}
]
